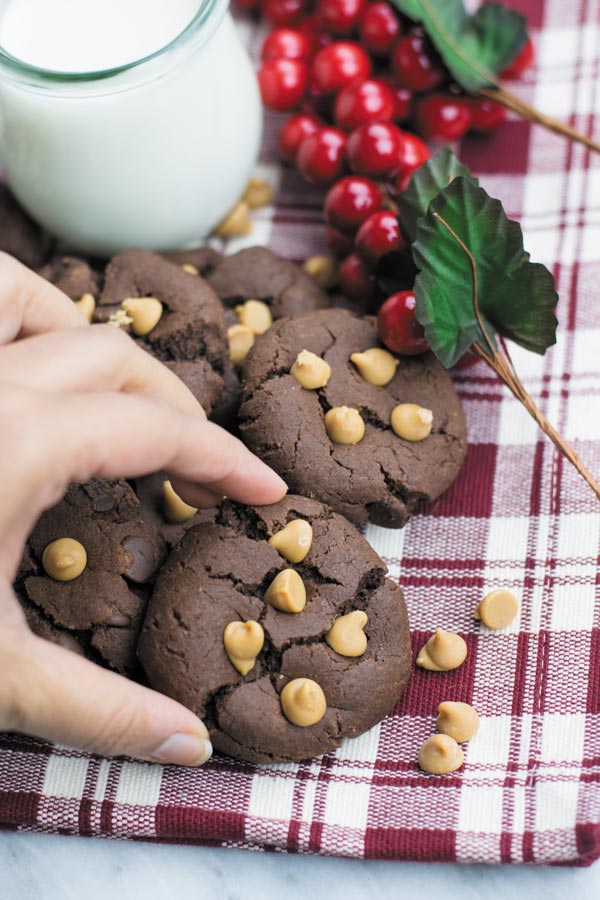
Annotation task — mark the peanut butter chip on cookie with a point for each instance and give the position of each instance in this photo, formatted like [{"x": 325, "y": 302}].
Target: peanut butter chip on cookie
[
  {"x": 458, "y": 720},
  {"x": 324, "y": 270},
  {"x": 411, "y": 422},
  {"x": 145, "y": 313},
  {"x": 346, "y": 635},
  {"x": 64, "y": 559},
  {"x": 344, "y": 425},
  {"x": 258, "y": 193},
  {"x": 255, "y": 315},
  {"x": 190, "y": 269},
  {"x": 376, "y": 366},
  {"x": 310, "y": 370},
  {"x": 303, "y": 702},
  {"x": 87, "y": 305},
  {"x": 497, "y": 609},
  {"x": 294, "y": 541},
  {"x": 243, "y": 641},
  {"x": 240, "y": 340},
  {"x": 174, "y": 508},
  {"x": 287, "y": 592},
  {"x": 443, "y": 651},
  {"x": 440, "y": 755}
]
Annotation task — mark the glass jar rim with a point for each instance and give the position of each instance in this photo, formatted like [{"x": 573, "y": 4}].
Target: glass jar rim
[{"x": 200, "y": 27}]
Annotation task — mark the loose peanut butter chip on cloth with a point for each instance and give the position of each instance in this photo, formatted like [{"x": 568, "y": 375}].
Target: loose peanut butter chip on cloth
[
  {"x": 458, "y": 720},
  {"x": 440, "y": 755},
  {"x": 444, "y": 651},
  {"x": 497, "y": 609}
]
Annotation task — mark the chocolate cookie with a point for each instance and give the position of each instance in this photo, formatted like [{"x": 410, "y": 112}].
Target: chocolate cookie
[
  {"x": 101, "y": 576},
  {"x": 257, "y": 273},
  {"x": 381, "y": 477},
  {"x": 204, "y": 259},
  {"x": 19, "y": 234},
  {"x": 73, "y": 276},
  {"x": 216, "y": 614},
  {"x": 153, "y": 508}
]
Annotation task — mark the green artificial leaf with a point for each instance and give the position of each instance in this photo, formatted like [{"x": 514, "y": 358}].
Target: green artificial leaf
[
  {"x": 475, "y": 48},
  {"x": 425, "y": 184},
  {"x": 516, "y": 297}
]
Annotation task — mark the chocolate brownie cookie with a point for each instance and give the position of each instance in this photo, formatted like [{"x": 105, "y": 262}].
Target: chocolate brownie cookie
[
  {"x": 19, "y": 234},
  {"x": 204, "y": 259},
  {"x": 335, "y": 440},
  {"x": 275, "y": 685},
  {"x": 73, "y": 276},
  {"x": 100, "y": 575}
]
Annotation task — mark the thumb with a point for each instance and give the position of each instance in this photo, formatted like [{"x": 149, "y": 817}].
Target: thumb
[{"x": 52, "y": 693}]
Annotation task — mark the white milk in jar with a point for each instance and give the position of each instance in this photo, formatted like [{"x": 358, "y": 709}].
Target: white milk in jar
[{"x": 126, "y": 122}]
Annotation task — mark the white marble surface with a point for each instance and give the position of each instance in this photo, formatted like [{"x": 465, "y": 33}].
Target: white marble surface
[{"x": 40, "y": 867}]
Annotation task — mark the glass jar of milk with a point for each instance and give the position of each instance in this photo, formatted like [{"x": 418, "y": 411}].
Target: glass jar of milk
[{"x": 126, "y": 122}]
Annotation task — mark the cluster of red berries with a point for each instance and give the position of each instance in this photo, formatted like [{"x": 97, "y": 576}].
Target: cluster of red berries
[{"x": 354, "y": 72}]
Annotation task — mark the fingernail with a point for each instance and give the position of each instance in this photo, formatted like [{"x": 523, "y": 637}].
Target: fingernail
[{"x": 183, "y": 750}]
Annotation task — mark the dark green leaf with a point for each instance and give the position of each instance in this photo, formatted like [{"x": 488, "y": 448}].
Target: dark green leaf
[
  {"x": 475, "y": 48},
  {"x": 517, "y": 298},
  {"x": 426, "y": 183}
]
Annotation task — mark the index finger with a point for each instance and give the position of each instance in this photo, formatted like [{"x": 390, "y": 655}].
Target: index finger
[{"x": 31, "y": 305}]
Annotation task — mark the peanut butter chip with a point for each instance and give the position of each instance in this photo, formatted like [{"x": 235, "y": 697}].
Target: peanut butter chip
[
  {"x": 64, "y": 559},
  {"x": 255, "y": 315},
  {"x": 344, "y": 425},
  {"x": 458, "y": 720},
  {"x": 440, "y": 755},
  {"x": 443, "y": 651},
  {"x": 87, "y": 305},
  {"x": 190, "y": 269},
  {"x": 174, "y": 508},
  {"x": 243, "y": 641},
  {"x": 258, "y": 193},
  {"x": 294, "y": 541},
  {"x": 346, "y": 635},
  {"x": 287, "y": 592},
  {"x": 324, "y": 270},
  {"x": 237, "y": 223},
  {"x": 310, "y": 370},
  {"x": 145, "y": 313},
  {"x": 411, "y": 422},
  {"x": 376, "y": 366},
  {"x": 120, "y": 319},
  {"x": 497, "y": 609},
  {"x": 303, "y": 702},
  {"x": 240, "y": 339}
]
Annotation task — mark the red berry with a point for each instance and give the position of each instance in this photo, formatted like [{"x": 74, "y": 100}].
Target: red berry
[
  {"x": 486, "y": 115},
  {"x": 285, "y": 43},
  {"x": 310, "y": 29},
  {"x": 320, "y": 157},
  {"x": 364, "y": 101},
  {"x": 283, "y": 12},
  {"x": 350, "y": 202},
  {"x": 398, "y": 326},
  {"x": 415, "y": 63},
  {"x": 283, "y": 83},
  {"x": 375, "y": 149},
  {"x": 338, "y": 65},
  {"x": 414, "y": 153},
  {"x": 293, "y": 132},
  {"x": 339, "y": 243},
  {"x": 380, "y": 234},
  {"x": 379, "y": 28},
  {"x": 522, "y": 62},
  {"x": 442, "y": 117},
  {"x": 340, "y": 17},
  {"x": 357, "y": 282}
]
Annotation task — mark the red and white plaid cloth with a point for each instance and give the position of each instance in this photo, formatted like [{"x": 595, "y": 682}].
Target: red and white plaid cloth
[{"x": 518, "y": 518}]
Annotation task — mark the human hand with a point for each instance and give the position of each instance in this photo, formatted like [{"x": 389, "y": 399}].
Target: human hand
[{"x": 76, "y": 401}]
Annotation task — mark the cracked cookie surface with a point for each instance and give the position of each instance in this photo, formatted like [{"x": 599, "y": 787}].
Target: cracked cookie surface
[
  {"x": 383, "y": 478},
  {"x": 104, "y": 607},
  {"x": 219, "y": 573}
]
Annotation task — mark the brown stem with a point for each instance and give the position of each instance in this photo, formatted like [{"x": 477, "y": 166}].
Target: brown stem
[
  {"x": 510, "y": 378},
  {"x": 531, "y": 114}
]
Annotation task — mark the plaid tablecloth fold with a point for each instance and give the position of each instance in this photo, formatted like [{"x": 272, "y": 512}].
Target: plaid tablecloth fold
[{"x": 518, "y": 517}]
